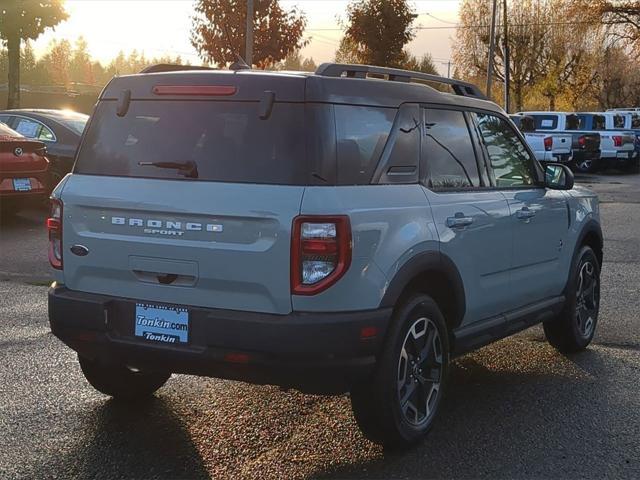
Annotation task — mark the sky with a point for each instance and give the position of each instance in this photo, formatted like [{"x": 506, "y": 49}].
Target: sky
[{"x": 162, "y": 27}]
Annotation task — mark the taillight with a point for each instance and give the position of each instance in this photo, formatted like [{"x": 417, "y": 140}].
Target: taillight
[
  {"x": 582, "y": 141},
  {"x": 617, "y": 141},
  {"x": 548, "y": 143},
  {"x": 54, "y": 227},
  {"x": 320, "y": 252}
]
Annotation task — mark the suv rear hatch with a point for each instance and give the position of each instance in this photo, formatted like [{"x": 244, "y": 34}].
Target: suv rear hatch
[{"x": 185, "y": 189}]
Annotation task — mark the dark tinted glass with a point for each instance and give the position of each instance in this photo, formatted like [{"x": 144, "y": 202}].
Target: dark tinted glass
[
  {"x": 599, "y": 122},
  {"x": 450, "y": 157},
  {"x": 618, "y": 121},
  {"x": 362, "y": 133},
  {"x": 576, "y": 122},
  {"x": 206, "y": 140},
  {"x": 635, "y": 121},
  {"x": 546, "y": 122},
  {"x": 510, "y": 161},
  {"x": 401, "y": 165}
]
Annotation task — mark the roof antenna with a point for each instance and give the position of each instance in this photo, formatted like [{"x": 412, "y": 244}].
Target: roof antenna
[{"x": 239, "y": 64}]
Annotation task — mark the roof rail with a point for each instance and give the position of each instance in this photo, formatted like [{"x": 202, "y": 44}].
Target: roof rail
[
  {"x": 171, "y": 67},
  {"x": 464, "y": 89}
]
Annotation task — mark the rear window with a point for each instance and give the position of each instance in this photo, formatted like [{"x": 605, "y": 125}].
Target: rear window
[
  {"x": 546, "y": 122},
  {"x": 197, "y": 140}
]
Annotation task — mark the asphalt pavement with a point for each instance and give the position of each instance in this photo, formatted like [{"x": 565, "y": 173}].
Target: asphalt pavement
[{"x": 514, "y": 409}]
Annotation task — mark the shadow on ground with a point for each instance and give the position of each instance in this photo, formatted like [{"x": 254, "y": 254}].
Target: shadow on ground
[{"x": 145, "y": 440}]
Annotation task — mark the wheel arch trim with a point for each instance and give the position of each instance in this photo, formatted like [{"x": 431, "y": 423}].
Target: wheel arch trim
[{"x": 421, "y": 264}]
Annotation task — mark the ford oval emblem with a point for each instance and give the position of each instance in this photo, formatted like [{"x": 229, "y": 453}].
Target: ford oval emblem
[{"x": 80, "y": 250}]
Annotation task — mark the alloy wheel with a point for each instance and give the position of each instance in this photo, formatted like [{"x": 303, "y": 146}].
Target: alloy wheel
[
  {"x": 587, "y": 299},
  {"x": 420, "y": 372}
]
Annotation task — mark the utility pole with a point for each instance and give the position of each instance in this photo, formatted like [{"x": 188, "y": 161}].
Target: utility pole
[
  {"x": 449, "y": 69},
  {"x": 249, "y": 35},
  {"x": 507, "y": 79},
  {"x": 492, "y": 46}
]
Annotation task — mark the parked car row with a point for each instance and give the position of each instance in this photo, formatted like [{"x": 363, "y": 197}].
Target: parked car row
[
  {"x": 37, "y": 149},
  {"x": 598, "y": 139}
]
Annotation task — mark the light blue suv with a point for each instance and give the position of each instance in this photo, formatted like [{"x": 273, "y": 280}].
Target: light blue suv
[{"x": 349, "y": 230}]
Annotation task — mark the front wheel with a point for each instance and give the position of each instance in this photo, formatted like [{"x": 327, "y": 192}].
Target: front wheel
[
  {"x": 120, "y": 381},
  {"x": 575, "y": 327},
  {"x": 398, "y": 406}
]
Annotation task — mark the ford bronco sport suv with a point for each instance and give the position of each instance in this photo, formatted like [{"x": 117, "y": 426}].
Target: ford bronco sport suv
[{"x": 349, "y": 230}]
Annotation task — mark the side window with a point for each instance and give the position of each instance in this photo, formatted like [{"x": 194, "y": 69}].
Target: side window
[
  {"x": 510, "y": 161},
  {"x": 599, "y": 122},
  {"x": 46, "y": 134},
  {"x": 618, "y": 121},
  {"x": 635, "y": 121},
  {"x": 448, "y": 151},
  {"x": 361, "y": 133},
  {"x": 5, "y": 119},
  {"x": 399, "y": 163},
  {"x": 28, "y": 128}
]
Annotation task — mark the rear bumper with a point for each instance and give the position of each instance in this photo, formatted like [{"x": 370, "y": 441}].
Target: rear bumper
[
  {"x": 40, "y": 185},
  {"x": 582, "y": 155},
  {"x": 312, "y": 352}
]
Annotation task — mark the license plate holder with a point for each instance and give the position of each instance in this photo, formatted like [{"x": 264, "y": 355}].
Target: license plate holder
[
  {"x": 22, "y": 184},
  {"x": 162, "y": 323}
]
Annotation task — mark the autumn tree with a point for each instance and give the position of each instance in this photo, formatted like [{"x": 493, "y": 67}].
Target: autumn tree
[
  {"x": 377, "y": 32},
  {"x": 423, "y": 64},
  {"x": 58, "y": 61},
  {"x": 528, "y": 40},
  {"x": 296, "y": 62},
  {"x": 622, "y": 16},
  {"x": 22, "y": 20},
  {"x": 218, "y": 32}
]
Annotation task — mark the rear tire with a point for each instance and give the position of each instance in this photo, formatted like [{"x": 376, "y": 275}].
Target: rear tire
[
  {"x": 573, "y": 330},
  {"x": 399, "y": 404},
  {"x": 119, "y": 381}
]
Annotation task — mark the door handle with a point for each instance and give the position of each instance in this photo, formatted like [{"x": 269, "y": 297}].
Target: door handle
[
  {"x": 459, "y": 221},
  {"x": 525, "y": 214}
]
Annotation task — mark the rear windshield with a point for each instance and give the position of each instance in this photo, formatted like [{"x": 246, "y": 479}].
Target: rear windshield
[
  {"x": 197, "y": 140},
  {"x": 546, "y": 122}
]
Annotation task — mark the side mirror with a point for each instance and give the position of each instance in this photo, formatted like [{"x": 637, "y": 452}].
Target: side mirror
[{"x": 558, "y": 176}]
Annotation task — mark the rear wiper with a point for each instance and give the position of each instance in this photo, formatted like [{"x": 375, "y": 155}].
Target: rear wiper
[{"x": 189, "y": 169}]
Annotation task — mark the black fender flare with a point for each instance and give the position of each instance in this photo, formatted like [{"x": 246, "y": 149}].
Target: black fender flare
[
  {"x": 422, "y": 263},
  {"x": 590, "y": 227}
]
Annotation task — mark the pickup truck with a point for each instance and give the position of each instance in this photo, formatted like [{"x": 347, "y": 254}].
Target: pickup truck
[
  {"x": 617, "y": 146},
  {"x": 585, "y": 144},
  {"x": 626, "y": 120},
  {"x": 547, "y": 147}
]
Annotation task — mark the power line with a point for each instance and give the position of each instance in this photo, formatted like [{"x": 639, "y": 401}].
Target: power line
[
  {"x": 438, "y": 19},
  {"x": 458, "y": 26}
]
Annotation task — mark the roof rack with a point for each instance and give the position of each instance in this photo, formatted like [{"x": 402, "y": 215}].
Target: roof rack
[
  {"x": 171, "y": 67},
  {"x": 464, "y": 89}
]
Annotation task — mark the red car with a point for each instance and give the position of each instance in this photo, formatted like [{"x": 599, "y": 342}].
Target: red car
[{"x": 24, "y": 171}]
